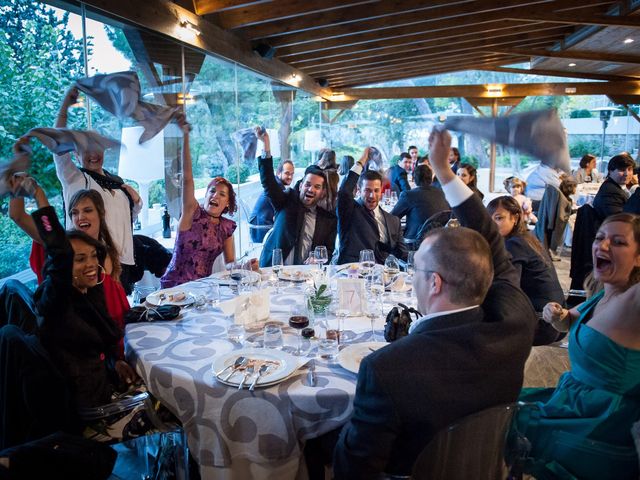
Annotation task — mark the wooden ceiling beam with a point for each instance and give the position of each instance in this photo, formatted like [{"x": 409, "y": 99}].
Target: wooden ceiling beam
[
  {"x": 381, "y": 13},
  {"x": 253, "y": 15},
  {"x": 460, "y": 59},
  {"x": 509, "y": 90},
  {"x": 355, "y": 53},
  {"x": 206, "y": 7},
  {"x": 280, "y": 34},
  {"x": 577, "y": 19},
  {"x": 562, "y": 73},
  {"x": 164, "y": 17},
  {"x": 415, "y": 53},
  {"x": 365, "y": 79},
  {"x": 574, "y": 55}
]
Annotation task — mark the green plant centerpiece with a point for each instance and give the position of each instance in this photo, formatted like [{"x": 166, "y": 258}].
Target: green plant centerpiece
[{"x": 318, "y": 295}]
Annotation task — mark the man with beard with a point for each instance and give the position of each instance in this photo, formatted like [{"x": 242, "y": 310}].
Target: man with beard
[
  {"x": 263, "y": 211},
  {"x": 299, "y": 224},
  {"x": 363, "y": 224}
]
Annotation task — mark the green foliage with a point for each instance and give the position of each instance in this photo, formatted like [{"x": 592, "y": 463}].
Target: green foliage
[
  {"x": 469, "y": 159},
  {"x": 579, "y": 147},
  {"x": 15, "y": 248},
  {"x": 232, "y": 173},
  {"x": 582, "y": 113}
]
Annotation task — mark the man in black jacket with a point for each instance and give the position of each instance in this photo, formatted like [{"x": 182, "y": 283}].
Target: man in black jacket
[
  {"x": 299, "y": 225},
  {"x": 398, "y": 174},
  {"x": 466, "y": 354},
  {"x": 420, "y": 203},
  {"x": 362, "y": 224},
  {"x": 612, "y": 195}
]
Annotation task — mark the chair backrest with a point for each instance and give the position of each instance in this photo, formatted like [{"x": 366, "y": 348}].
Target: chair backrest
[
  {"x": 472, "y": 447},
  {"x": 437, "y": 220},
  {"x": 584, "y": 232}
]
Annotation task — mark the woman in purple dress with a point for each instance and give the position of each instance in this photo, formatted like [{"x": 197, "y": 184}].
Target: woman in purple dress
[{"x": 203, "y": 233}]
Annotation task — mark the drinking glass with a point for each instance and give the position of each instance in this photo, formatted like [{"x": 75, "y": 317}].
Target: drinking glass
[
  {"x": 367, "y": 262},
  {"x": 299, "y": 319},
  {"x": 371, "y": 311},
  {"x": 328, "y": 349},
  {"x": 321, "y": 255},
  {"x": 376, "y": 286},
  {"x": 277, "y": 263},
  {"x": 272, "y": 336},
  {"x": 391, "y": 266},
  {"x": 411, "y": 265},
  {"x": 235, "y": 333}
]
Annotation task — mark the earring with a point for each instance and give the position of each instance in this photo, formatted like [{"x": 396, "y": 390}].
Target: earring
[{"x": 104, "y": 274}]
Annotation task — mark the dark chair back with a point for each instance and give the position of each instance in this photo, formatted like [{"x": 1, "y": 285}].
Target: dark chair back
[
  {"x": 472, "y": 447},
  {"x": 437, "y": 220},
  {"x": 584, "y": 232}
]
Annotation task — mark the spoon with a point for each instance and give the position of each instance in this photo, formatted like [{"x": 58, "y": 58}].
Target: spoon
[
  {"x": 240, "y": 361},
  {"x": 262, "y": 371},
  {"x": 161, "y": 298},
  {"x": 247, "y": 373}
]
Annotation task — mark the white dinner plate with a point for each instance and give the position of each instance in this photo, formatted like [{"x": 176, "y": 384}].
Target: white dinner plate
[
  {"x": 294, "y": 274},
  {"x": 172, "y": 296},
  {"x": 224, "y": 278},
  {"x": 350, "y": 357},
  {"x": 287, "y": 365}
]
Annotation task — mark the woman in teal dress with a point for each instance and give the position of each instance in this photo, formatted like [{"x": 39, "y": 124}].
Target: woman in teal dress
[{"x": 582, "y": 428}]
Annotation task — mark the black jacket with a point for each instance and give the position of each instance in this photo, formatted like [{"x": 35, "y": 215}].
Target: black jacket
[
  {"x": 418, "y": 204},
  {"x": 262, "y": 215},
  {"x": 74, "y": 328},
  {"x": 633, "y": 204},
  {"x": 289, "y": 218},
  {"x": 610, "y": 199},
  {"x": 359, "y": 230},
  {"x": 399, "y": 179},
  {"x": 449, "y": 367}
]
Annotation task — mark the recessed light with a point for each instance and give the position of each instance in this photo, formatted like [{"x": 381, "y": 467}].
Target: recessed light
[
  {"x": 628, "y": 40},
  {"x": 572, "y": 64}
]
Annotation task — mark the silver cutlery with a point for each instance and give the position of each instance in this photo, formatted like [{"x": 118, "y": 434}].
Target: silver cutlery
[
  {"x": 239, "y": 363},
  {"x": 262, "y": 371},
  {"x": 161, "y": 298},
  {"x": 247, "y": 373},
  {"x": 312, "y": 379}
]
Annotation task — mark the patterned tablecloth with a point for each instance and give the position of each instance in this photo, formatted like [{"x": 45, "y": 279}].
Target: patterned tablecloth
[{"x": 242, "y": 434}]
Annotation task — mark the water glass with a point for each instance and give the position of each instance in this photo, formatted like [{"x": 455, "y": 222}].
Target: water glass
[
  {"x": 367, "y": 262},
  {"x": 321, "y": 255},
  {"x": 140, "y": 294},
  {"x": 235, "y": 333},
  {"x": 276, "y": 265},
  {"x": 411, "y": 265},
  {"x": 272, "y": 336},
  {"x": 328, "y": 349}
]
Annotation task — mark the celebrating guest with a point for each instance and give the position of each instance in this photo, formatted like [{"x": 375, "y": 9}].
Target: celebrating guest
[
  {"x": 468, "y": 175},
  {"x": 263, "y": 211},
  {"x": 327, "y": 163},
  {"x": 122, "y": 202},
  {"x": 582, "y": 429},
  {"x": 420, "y": 203},
  {"x": 203, "y": 233},
  {"x": 466, "y": 353},
  {"x": 398, "y": 174},
  {"x": 613, "y": 194},
  {"x": 538, "y": 278},
  {"x": 454, "y": 159},
  {"x": 300, "y": 224},
  {"x": 362, "y": 223},
  {"x": 587, "y": 173}
]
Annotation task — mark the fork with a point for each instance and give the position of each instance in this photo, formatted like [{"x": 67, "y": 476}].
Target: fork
[
  {"x": 263, "y": 369},
  {"x": 247, "y": 373}
]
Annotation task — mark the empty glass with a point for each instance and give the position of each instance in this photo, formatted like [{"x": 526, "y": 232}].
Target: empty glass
[
  {"x": 321, "y": 255},
  {"x": 272, "y": 336},
  {"x": 328, "y": 348},
  {"x": 411, "y": 266},
  {"x": 367, "y": 262},
  {"x": 235, "y": 333},
  {"x": 277, "y": 263}
]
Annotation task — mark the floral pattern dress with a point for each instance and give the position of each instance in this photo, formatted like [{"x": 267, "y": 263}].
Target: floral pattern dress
[{"x": 197, "y": 248}]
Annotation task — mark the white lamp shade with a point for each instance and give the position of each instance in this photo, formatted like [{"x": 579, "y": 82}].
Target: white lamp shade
[
  {"x": 142, "y": 163},
  {"x": 313, "y": 140},
  {"x": 274, "y": 137}
]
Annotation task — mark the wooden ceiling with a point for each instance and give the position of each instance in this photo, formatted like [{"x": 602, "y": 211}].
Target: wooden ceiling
[{"x": 350, "y": 43}]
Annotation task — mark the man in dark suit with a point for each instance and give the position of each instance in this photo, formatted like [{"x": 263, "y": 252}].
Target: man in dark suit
[
  {"x": 633, "y": 204},
  {"x": 263, "y": 211},
  {"x": 612, "y": 195},
  {"x": 300, "y": 225},
  {"x": 466, "y": 354},
  {"x": 362, "y": 223},
  {"x": 398, "y": 174},
  {"x": 419, "y": 203}
]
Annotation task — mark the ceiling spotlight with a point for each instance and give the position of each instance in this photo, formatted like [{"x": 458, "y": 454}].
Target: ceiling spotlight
[
  {"x": 186, "y": 24},
  {"x": 628, "y": 40},
  {"x": 294, "y": 75},
  {"x": 572, "y": 64}
]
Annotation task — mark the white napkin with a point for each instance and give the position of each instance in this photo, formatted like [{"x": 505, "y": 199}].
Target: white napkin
[{"x": 248, "y": 308}]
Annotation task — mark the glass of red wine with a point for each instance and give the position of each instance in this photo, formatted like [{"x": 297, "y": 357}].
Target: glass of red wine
[{"x": 299, "y": 319}]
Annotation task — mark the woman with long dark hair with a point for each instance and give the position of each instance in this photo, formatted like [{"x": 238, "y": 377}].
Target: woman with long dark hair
[
  {"x": 468, "y": 174},
  {"x": 538, "y": 278}
]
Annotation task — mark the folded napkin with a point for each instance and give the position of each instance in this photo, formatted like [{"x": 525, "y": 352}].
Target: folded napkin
[{"x": 248, "y": 308}]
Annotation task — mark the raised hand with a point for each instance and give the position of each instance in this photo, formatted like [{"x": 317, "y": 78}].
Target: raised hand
[{"x": 439, "y": 147}]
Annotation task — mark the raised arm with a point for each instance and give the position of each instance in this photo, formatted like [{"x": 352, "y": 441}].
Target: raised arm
[
  {"x": 345, "y": 204},
  {"x": 189, "y": 202},
  {"x": 272, "y": 190},
  {"x": 66, "y": 170},
  {"x": 403, "y": 180},
  {"x": 468, "y": 207}
]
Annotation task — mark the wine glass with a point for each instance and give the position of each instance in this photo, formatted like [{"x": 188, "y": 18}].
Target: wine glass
[
  {"x": 411, "y": 263},
  {"x": 277, "y": 263},
  {"x": 376, "y": 286},
  {"x": 372, "y": 313},
  {"x": 367, "y": 262},
  {"x": 299, "y": 319},
  {"x": 391, "y": 266},
  {"x": 321, "y": 255}
]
